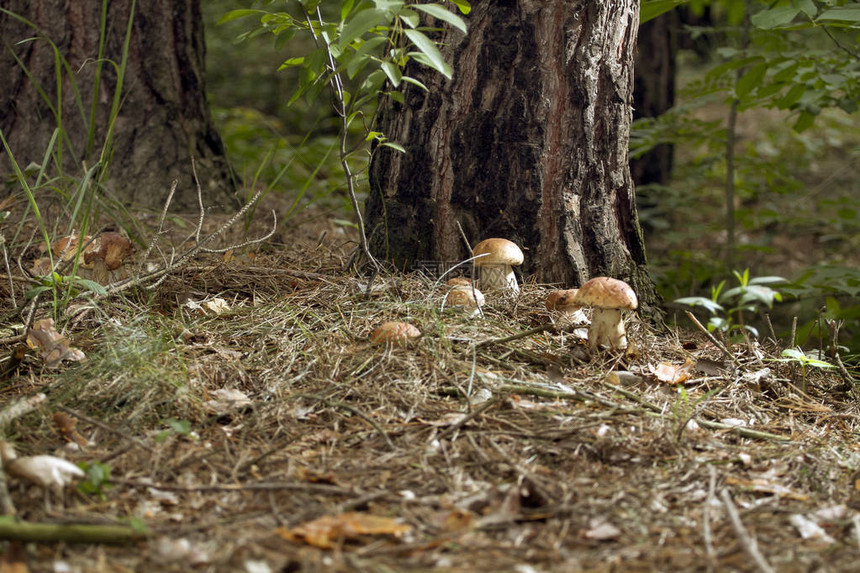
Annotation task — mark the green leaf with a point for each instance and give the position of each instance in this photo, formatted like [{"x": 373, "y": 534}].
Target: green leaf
[
  {"x": 440, "y": 12},
  {"x": 804, "y": 121},
  {"x": 412, "y": 19},
  {"x": 91, "y": 286},
  {"x": 774, "y": 17},
  {"x": 345, "y": 9},
  {"x": 390, "y": 7},
  {"x": 650, "y": 10},
  {"x": 394, "y": 146},
  {"x": 462, "y": 5},
  {"x": 290, "y": 63},
  {"x": 236, "y": 14},
  {"x": 850, "y": 14},
  {"x": 392, "y": 71},
  {"x": 792, "y": 97},
  {"x": 428, "y": 48},
  {"x": 362, "y": 23},
  {"x": 806, "y": 6},
  {"x": 362, "y": 55},
  {"x": 751, "y": 79},
  {"x": 415, "y": 82},
  {"x": 710, "y": 305}
]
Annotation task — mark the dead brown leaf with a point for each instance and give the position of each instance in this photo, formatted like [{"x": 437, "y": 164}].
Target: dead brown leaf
[
  {"x": 53, "y": 346},
  {"x": 326, "y": 531},
  {"x": 670, "y": 373}
]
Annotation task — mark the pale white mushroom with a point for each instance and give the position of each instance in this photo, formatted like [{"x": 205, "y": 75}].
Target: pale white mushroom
[
  {"x": 466, "y": 297},
  {"x": 494, "y": 261},
  {"x": 394, "y": 333},
  {"x": 48, "y": 472},
  {"x": 608, "y": 297}
]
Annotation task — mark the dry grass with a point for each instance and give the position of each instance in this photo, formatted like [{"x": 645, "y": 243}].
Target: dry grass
[{"x": 548, "y": 465}]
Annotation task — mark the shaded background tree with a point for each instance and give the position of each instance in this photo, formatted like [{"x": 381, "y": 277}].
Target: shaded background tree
[
  {"x": 163, "y": 119},
  {"x": 528, "y": 142}
]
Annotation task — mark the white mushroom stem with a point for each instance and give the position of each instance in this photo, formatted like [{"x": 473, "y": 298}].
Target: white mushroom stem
[
  {"x": 607, "y": 328},
  {"x": 499, "y": 277}
]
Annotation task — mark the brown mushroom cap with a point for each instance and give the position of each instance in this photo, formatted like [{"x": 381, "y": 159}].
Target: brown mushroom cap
[
  {"x": 606, "y": 292},
  {"x": 563, "y": 300},
  {"x": 67, "y": 247},
  {"x": 394, "y": 333},
  {"x": 111, "y": 247},
  {"x": 459, "y": 281},
  {"x": 498, "y": 252}
]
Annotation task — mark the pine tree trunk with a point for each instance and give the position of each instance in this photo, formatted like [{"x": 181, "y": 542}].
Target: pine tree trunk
[
  {"x": 527, "y": 142},
  {"x": 164, "y": 121},
  {"x": 654, "y": 92}
]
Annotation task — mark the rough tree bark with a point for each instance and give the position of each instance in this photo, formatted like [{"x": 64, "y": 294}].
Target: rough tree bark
[
  {"x": 164, "y": 119},
  {"x": 527, "y": 142}
]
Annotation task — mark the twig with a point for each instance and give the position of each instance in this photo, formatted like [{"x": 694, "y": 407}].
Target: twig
[
  {"x": 103, "y": 426},
  {"x": 468, "y": 417},
  {"x": 264, "y": 486},
  {"x": 160, "y": 229},
  {"x": 364, "y": 417},
  {"x": 68, "y": 533},
  {"x": 20, "y": 408},
  {"x": 712, "y": 338},
  {"x": 517, "y": 336},
  {"x": 336, "y": 83},
  {"x": 7, "y": 507},
  {"x": 706, "y": 518},
  {"x": 747, "y": 541}
]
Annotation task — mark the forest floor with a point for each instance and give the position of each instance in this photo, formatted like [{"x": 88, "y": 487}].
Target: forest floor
[{"x": 484, "y": 445}]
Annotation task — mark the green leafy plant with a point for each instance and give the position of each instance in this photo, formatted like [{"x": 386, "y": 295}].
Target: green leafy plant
[
  {"x": 728, "y": 307},
  {"x": 178, "y": 427},
  {"x": 798, "y": 356},
  {"x": 97, "y": 479},
  {"x": 360, "y": 53}
]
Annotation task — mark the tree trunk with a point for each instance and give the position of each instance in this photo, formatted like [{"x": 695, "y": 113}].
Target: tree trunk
[
  {"x": 528, "y": 142},
  {"x": 654, "y": 92},
  {"x": 163, "y": 121}
]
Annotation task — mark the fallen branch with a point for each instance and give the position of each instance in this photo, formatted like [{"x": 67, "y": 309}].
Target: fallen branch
[{"x": 11, "y": 530}]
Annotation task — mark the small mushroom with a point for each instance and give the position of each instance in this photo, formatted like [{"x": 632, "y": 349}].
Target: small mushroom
[
  {"x": 563, "y": 302},
  {"x": 608, "y": 297},
  {"x": 394, "y": 333},
  {"x": 494, "y": 259},
  {"x": 48, "y": 472},
  {"x": 466, "y": 297},
  {"x": 110, "y": 247}
]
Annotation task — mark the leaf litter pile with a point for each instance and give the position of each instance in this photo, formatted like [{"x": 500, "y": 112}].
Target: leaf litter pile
[{"x": 238, "y": 417}]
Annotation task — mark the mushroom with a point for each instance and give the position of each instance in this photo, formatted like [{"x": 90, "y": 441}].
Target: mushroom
[
  {"x": 608, "y": 297},
  {"x": 110, "y": 247},
  {"x": 467, "y": 297},
  {"x": 564, "y": 303},
  {"x": 394, "y": 333},
  {"x": 48, "y": 472},
  {"x": 494, "y": 259}
]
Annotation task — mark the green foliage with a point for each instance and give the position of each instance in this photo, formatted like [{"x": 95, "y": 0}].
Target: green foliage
[
  {"x": 805, "y": 361},
  {"x": 359, "y": 54},
  {"x": 97, "y": 479},
  {"x": 727, "y": 307}
]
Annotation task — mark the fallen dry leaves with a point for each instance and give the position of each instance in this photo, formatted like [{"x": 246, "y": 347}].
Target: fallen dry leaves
[{"x": 329, "y": 530}]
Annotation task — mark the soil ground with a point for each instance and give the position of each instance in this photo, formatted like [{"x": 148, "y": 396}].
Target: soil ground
[{"x": 487, "y": 444}]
